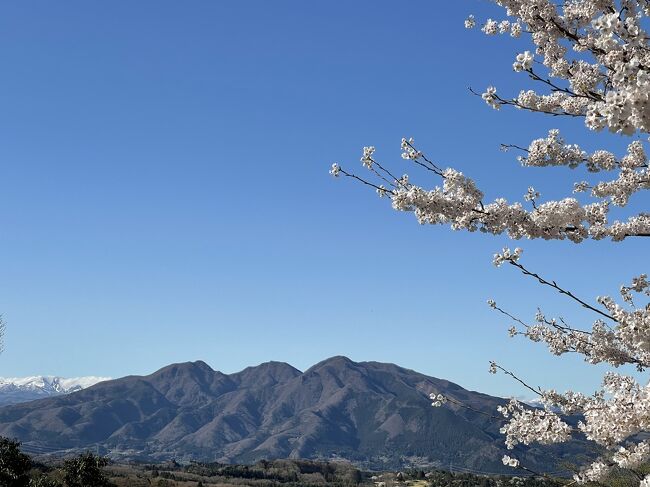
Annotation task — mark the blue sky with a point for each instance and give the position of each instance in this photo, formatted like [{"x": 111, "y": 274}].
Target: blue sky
[{"x": 165, "y": 194}]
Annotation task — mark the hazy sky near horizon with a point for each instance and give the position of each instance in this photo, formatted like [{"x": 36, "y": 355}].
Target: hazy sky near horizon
[{"x": 165, "y": 194}]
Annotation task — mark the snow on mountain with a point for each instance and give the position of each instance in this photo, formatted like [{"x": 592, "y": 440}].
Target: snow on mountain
[{"x": 14, "y": 390}]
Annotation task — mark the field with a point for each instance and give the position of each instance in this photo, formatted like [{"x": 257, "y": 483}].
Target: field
[{"x": 300, "y": 473}]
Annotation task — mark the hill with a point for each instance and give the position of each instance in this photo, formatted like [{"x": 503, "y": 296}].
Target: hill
[{"x": 375, "y": 415}]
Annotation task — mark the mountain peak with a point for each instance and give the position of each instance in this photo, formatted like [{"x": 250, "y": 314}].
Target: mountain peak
[
  {"x": 15, "y": 390},
  {"x": 338, "y": 361},
  {"x": 267, "y": 373},
  {"x": 274, "y": 367},
  {"x": 376, "y": 414},
  {"x": 184, "y": 368}
]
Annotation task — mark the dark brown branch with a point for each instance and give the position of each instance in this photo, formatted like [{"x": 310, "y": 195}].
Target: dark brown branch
[
  {"x": 385, "y": 170},
  {"x": 556, "y": 88},
  {"x": 507, "y": 372},
  {"x": 503, "y": 101},
  {"x": 431, "y": 167},
  {"x": 470, "y": 408},
  {"x": 367, "y": 183},
  {"x": 554, "y": 285}
]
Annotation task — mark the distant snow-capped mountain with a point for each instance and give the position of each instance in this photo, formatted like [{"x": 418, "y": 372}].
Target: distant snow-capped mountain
[{"x": 14, "y": 390}]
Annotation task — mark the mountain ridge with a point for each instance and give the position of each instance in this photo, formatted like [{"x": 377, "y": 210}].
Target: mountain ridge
[{"x": 374, "y": 414}]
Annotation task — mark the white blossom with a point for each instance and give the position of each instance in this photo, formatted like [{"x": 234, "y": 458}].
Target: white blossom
[
  {"x": 527, "y": 425},
  {"x": 590, "y": 60},
  {"x": 491, "y": 27},
  {"x": 523, "y": 62},
  {"x": 507, "y": 255},
  {"x": 366, "y": 158},
  {"x": 509, "y": 461},
  {"x": 493, "y": 368},
  {"x": 408, "y": 151},
  {"x": 490, "y": 97},
  {"x": 531, "y": 194},
  {"x": 438, "y": 399},
  {"x": 594, "y": 473}
]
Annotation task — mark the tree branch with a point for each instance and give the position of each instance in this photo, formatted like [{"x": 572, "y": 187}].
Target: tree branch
[{"x": 554, "y": 285}]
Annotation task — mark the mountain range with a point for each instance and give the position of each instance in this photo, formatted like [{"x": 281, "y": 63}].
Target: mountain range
[
  {"x": 14, "y": 390},
  {"x": 373, "y": 414}
]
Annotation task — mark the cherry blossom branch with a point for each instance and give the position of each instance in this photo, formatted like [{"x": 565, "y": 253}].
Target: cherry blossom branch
[
  {"x": 564, "y": 328},
  {"x": 560, "y": 290},
  {"x": 522, "y": 467},
  {"x": 555, "y": 88},
  {"x": 431, "y": 165},
  {"x": 363, "y": 181},
  {"x": 470, "y": 408},
  {"x": 375, "y": 163},
  {"x": 576, "y": 341},
  {"x": 502, "y": 101},
  {"x": 494, "y": 306},
  {"x": 493, "y": 368}
]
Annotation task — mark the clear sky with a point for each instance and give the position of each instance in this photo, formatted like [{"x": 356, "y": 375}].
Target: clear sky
[{"x": 165, "y": 194}]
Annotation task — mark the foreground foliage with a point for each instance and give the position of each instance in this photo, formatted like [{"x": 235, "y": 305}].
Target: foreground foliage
[
  {"x": 89, "y": 470},
  {"x": 14, "y": 465},
  {"x": 18, "y": 470},
  {"x": 86, "y": 470}
]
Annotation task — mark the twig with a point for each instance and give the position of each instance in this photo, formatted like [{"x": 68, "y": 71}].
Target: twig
[{"x": 554, "y": 285}]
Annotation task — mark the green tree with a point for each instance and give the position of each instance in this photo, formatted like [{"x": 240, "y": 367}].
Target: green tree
[
  {"x": 86, "y": 470},
  {"x": 14, "y": 464}
]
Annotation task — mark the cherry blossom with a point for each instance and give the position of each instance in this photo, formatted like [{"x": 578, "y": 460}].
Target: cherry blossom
[{"x": 590, "y": 60}]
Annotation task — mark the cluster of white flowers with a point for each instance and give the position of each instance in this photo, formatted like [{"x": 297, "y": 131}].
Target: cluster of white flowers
[
  {"x": 633, "y": 456},
  {"x": 438, "y": 399},
  {"x": 618, "y": 412},
  {"x": 527, "y": 425},
  {"x": 591, "y": 61},
  {"x": 493, "y": 365},
  {"x": 509, "y": 461},
  {"x": 614, "y": 80},
  {"x": 490, "y": 97},
  {"x": 523, "y": 62},
  {"x": 459, "y": 203},
  {"x": 599, "y": 345},
  {"x": 366, "y": 159},
  {"x": 634, "y": 176},
  {"x": 506, "y": 255},
  {"x": 531, "y": 194},
  {"x": 639, "y": 284},
  {"x": 593, "y": 473},
  {"x": 492, "y": 27},
  {"x": 408, "y": 151},
  {"x": 556, "y": 103}
]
